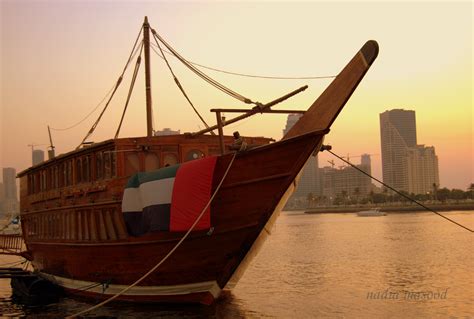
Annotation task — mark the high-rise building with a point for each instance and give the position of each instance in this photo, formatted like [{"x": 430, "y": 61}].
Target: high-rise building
[
  {"x": 406, "y": 166},
  {"x": 366, "y": 163},
  {"x": 423, "y": 174},
  {"x": 2, "y": 192},
  {"x": 10, "y": 202},
  {"x": 397, "y": 133},
  {"x": 309, "y": 182},
  {"x": 2, "y": 198},
  {"x": 37, "y": 157},
  {"x": 290, "y": 121}
]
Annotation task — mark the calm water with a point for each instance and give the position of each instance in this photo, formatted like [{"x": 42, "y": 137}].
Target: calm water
[{"x": 412, "y": 265}]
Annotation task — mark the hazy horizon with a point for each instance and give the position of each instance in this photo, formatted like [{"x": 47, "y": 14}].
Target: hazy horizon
[{"x": 59, "y": 59}]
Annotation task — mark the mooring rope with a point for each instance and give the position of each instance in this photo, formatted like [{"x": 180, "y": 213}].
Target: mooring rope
[
  {"x": 326, "y": 148},
  {"x": 167, "y": 255}
]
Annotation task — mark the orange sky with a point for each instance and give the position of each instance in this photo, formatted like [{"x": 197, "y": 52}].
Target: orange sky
[{"x": 58, "y": 59}]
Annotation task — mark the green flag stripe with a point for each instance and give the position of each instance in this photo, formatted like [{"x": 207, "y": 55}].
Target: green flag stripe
[{"x": 145, "y": 177}]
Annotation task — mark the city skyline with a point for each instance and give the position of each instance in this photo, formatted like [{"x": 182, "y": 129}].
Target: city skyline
[{"x": 432, "y": 77}]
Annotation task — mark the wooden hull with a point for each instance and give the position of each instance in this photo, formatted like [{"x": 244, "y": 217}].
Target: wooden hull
[
  {"x": 252, "y": 194},
  {"x": 75, "y": 234}
]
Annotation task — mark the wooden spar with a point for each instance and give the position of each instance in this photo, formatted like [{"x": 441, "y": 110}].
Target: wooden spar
[
  {"x": 253, "y": 111},
  {"x": 51, "y": 152},
  {"x": 327, "y": 106},
  {"x": 221, "y": 132},
  {"x": 146, "y": 45},
  {"x": 263, "y": 111}
]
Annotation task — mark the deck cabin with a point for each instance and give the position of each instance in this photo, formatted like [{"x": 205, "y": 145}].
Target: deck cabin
[{"x": 76, "y": 197}]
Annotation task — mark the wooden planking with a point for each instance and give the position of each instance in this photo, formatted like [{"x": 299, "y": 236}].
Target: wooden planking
[{"x": 109, "y": 226}]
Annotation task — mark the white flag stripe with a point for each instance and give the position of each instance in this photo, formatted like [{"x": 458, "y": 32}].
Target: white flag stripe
[
  {"x": 157, "y": 192},
  {"x": 149, "y": 193},
  {"x": 132, "y": 201}
]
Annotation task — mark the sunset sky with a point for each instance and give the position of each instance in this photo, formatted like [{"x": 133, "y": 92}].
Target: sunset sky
[{"x": 59, "y": 59}]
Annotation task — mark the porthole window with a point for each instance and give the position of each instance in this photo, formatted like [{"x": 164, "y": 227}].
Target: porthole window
[{"x": 194, "y": 155}]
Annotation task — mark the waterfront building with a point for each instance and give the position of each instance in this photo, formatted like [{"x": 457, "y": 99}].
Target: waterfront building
[
  {"x": 346, "y": 182},
  {"x": 310, "y": 182},
  {"x": 10, "y": 199},
  {"x": 406, "y": 166},
  {"x": 397, "y": 134},
  {"x": 423, "y": 174},
  {"x": 37, "y": 157}
]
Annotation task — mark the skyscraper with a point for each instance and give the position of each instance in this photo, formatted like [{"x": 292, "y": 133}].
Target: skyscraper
[
  {"x": 309, "y": 182},
  {"x": 406, "y": 166},
  {"x": 290, "y": 121},
  {"x": 37, "y": 157},
  {"x": 10, "y": 201},
  {"x": 397, "y": 133},
  {"x": 423, "y": 175}
]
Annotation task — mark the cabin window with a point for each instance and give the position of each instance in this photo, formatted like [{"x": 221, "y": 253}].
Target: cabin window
[
  {"x": 78, "y": 170},
  {"x": 40, "y": 175},
  {"x": 69, "y": 173},
  {"x": 86, "y": 169},
  {"x": 99, "y": 169},
  {"x": 55, "y": 180},
  {"x": 49, "y": 178},
  {"x": 36, "y": 183},
  {"x": 62, "y": 175},
  {"x": 43, "y": 180},
  {"x": 109, "y": 161},
  {"x": 107, "y": 165},
  {"x": 152, "y": 162},
  {"x": 132, "y": 163},
  {"x": 30, "y": 184},
  {"x": 193, "y": 155},
  {"x": 113, "y": 164},
  {"x": 170, "y": 159}
]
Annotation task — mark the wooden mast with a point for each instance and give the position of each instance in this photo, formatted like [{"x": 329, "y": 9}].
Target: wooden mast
[{"x": 146, "y": 44}]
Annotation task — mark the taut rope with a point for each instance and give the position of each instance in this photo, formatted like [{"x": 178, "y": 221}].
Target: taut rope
[{"x": 167, "y": 255}]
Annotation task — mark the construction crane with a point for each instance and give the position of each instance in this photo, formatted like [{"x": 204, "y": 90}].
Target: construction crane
[
  {"x": 32, "y": 145},
  {"x": 349, "y": 157}
]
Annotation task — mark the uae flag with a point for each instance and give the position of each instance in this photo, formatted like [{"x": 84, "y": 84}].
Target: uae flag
[{"x": 169, "y": 199}]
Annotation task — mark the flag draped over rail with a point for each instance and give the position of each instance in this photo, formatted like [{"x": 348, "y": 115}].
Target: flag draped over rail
[{"x": 169, "y": 199}]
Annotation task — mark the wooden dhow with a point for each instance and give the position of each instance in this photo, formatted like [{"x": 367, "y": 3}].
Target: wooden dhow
[{"x": 79, "y": 234}]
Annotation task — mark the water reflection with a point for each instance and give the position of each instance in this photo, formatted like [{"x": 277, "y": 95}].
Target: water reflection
[{"x": 326, "y": 266}]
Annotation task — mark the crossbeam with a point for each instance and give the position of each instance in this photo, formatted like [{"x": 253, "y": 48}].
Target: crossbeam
[{"x": 257, "y": 109}]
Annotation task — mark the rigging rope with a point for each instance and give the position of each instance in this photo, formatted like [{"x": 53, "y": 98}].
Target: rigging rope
[
  {"x": 131, "y": 56},
  {"x": 180, "y": 86},
  {"x": 88, "y": 115},
  {"x": 132, "y": 85},
  {"x": 396, "y": 191},
  {"x": 202, "y": 75},
  {"x": 167, "y": 255},
  {"x": 254, "y": 75}
]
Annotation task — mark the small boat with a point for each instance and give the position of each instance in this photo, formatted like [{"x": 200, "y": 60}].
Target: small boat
[
  {"x": 371, "y": 212},
  {"x": 198, "y": 205}
]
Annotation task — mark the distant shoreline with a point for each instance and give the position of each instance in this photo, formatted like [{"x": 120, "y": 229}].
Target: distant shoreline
[{"x": 391, "y": 208}]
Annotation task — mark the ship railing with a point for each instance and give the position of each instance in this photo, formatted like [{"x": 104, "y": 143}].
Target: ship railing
[{"x": 11, "y": 244}]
